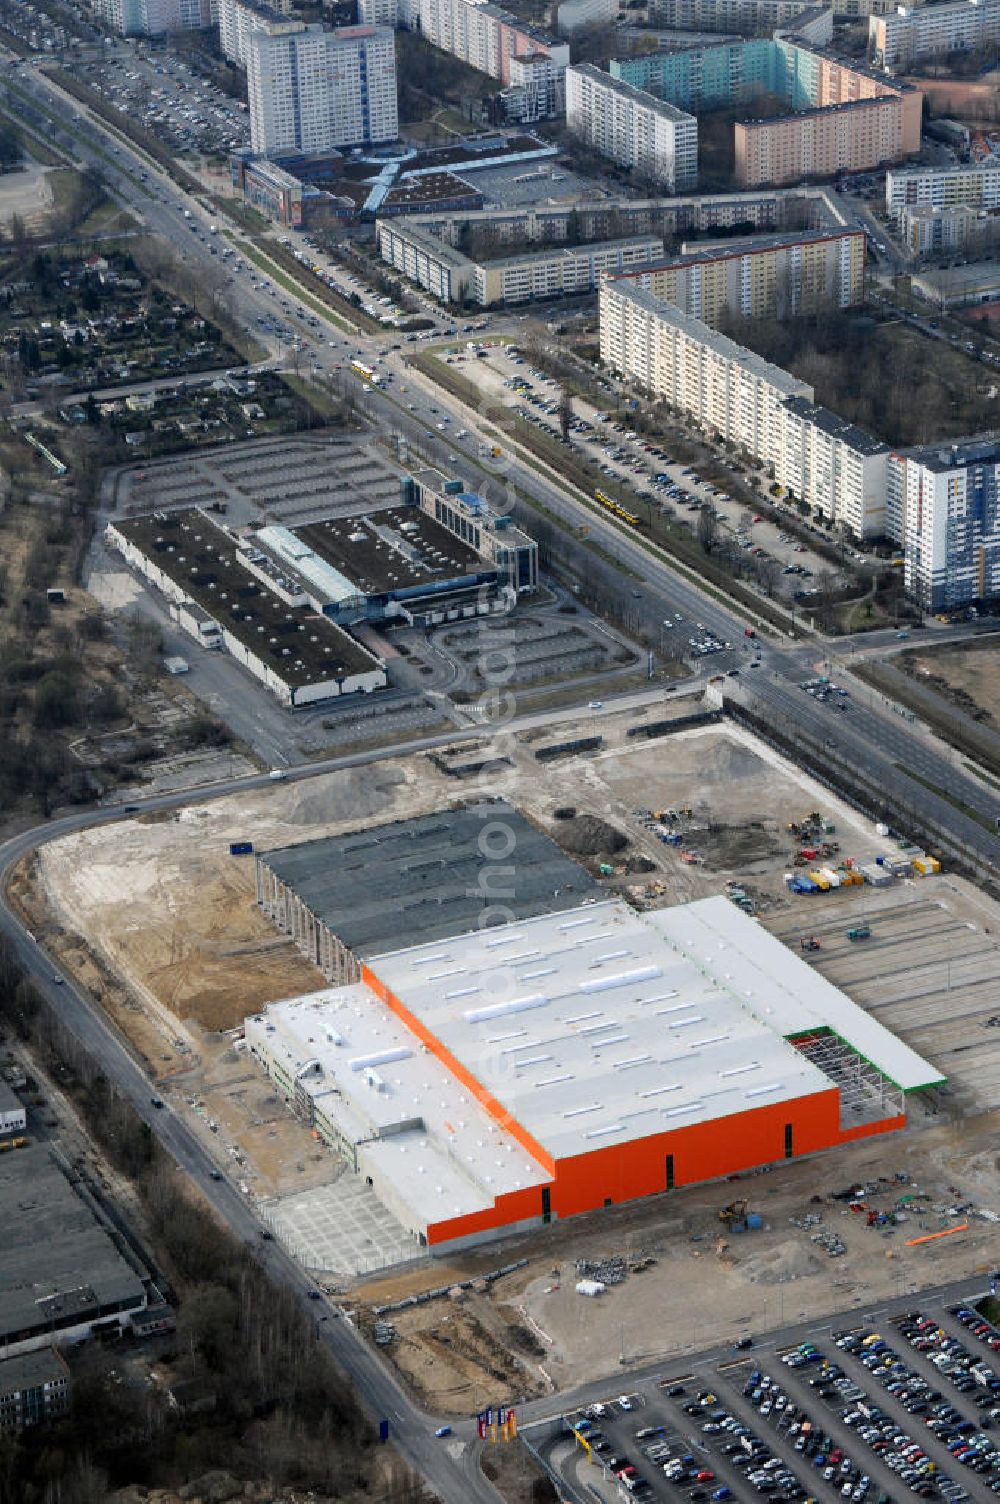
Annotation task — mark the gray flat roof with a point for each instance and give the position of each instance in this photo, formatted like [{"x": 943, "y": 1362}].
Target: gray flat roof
[
  {"x": 58, "y": 1264},
  {"x": 28, "y": 1370},
  {"x": 8, "y": 1097},
  {"x": 201, "y": 557},
  {"x": 429, "y": 876},
  {"x": 399, "y": 549}
]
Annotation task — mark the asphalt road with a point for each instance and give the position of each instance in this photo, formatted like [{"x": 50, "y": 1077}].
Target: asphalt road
[{"x": 879, "y": 743}]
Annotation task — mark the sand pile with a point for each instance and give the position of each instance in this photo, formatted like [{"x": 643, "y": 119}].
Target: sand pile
[{"x": 787, "y": 1261}]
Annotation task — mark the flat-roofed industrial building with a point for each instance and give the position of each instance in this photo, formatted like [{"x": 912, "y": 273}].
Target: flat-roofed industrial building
[
  {"x": 344, "y": 898},
  {"x": 299, "y": 655},
  {"x": 505, "y": 1076},
  {"x": 62, "y": 1272}
]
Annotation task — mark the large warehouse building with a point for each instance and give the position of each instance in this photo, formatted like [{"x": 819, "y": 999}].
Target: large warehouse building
[{"x": 504, "y": 1075}]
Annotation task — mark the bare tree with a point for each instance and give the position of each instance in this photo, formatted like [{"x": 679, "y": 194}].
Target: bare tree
[
  {"x": 565, "y": 412},
  {"x": 708, "y": 528}
]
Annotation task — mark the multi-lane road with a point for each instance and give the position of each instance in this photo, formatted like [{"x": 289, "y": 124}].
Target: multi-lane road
[{"x": 868, "y": 734}]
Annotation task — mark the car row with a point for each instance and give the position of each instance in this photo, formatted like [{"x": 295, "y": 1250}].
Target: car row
[{"x": 810, "y": 1440}]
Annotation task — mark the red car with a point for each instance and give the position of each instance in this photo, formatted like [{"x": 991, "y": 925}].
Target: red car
[{"x": 705, "y": 1476}]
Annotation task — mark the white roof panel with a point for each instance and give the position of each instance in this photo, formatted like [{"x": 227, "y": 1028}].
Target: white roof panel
[{"x": 782, "y": 988}]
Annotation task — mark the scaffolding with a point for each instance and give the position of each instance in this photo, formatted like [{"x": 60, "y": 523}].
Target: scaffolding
[{"x": 866, "y": 1095}]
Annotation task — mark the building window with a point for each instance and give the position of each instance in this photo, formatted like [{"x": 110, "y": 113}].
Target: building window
[{"x": 789, "y": 1149}]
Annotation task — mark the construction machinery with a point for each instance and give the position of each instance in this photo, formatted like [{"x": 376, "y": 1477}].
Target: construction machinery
[
  {"x": 860, "y": 932},
  {"x": 809, "y": 942},
  {"x": 738, "y": 1219}
]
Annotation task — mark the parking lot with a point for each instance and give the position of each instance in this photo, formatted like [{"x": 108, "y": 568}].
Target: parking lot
[
  {"x": 623, "y": 456},
  {"x": 168, "y": 98},
  {"x": 865, "y": 1412}
]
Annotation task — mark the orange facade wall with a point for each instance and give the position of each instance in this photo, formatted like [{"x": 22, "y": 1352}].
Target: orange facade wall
[
  {"x": 627, "y": 1172},
  {"x": 701, "y": 1152}
]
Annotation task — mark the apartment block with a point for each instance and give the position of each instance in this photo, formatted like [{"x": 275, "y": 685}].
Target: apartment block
[
  {"x": 926, "y": 231},
  {"x": 239, "y": 19},
  {"x": 633, "y": 128},
  {"x": 313, "y": 90},
  {"x": 412, "y": 247},
  {"x": 749, "y": 17},
  {"x": 975, "y": 183},
  {"x": 577, "y": 15},
  {"x": 903, "y": 36},
  {"x": 528, "y": 62},
  {"x": 820, "y": 143},
  {"x": 378, "y": 13},
  {"x": 944, "y": 510},
  {"x": 842, "y": 117},
  {"x": 779, "y": 277},
  {"x": 744, "y": 400},
  {"x": 155, "y": 18}
]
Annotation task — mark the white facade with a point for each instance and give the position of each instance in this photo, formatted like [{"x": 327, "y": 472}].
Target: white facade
[
  {"x": 977, "y": 184},
  {"x": 239, "y": 19},
  {"x": 551, "y": 271},
  {"x": 13, "y": 1114},
  {"x": 944, "y": 511},
  {"x": 152, "y": 18},
  {"x": 898, "y": 39},
  {"x": 838, "y": 469},
  {"x": 378, "y": 13},
  {"x": 313, "y": 90},
  {"x": 632, "y": 127},
  {"x": 577, "y": 15},
  {"x": 531, "y": 64}
]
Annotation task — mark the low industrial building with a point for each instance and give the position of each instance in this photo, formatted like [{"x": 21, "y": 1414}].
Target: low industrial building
[
  {"x": 345, "y": 898},
  {"x": 399, "y": 566},
  {"x": 297, "y": 654},
  {"x": 13, "y": 1113},
  {"x": 63, "y": 1272},
  {"x": 494, "y": 1079},
  {"x": 773, "y": 276},
  {"x": 451, "y": 276},
  {"x": 959, "y": 286},
  {"x": 34, "y": 1387}
]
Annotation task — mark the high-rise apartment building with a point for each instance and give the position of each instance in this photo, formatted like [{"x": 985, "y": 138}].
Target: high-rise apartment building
[
  {"x": 633, "y": 128},
  {"x": 842, "y": 117},
  {"x": 154, "y": 18},
  {"x": 378, "y": 13},
  {"x": 944, "y": 511},
  {"x": 903, "y": 36},
  {"x": 734, "y": 16},
  {"x": 238, "y": 19},
  {"x": 731, "y": 392},
  {"x": 973, "y": 183},
  {"x": 529, "y": 63},
  {"x": 775, "y": 277},
  {"x": 312, "y": 90}
]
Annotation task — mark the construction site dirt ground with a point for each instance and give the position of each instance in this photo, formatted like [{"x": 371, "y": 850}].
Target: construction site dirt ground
[
  {"x": 702, "y": 1286},
  {"x": 162, "y": 922},
  {"x": 971, "y": 667}
]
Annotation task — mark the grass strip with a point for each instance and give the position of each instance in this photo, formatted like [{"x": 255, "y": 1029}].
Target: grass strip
[{"x": 687, "y": 562}]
